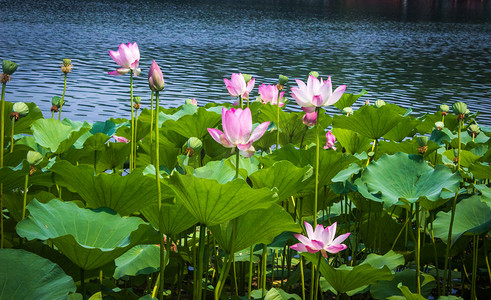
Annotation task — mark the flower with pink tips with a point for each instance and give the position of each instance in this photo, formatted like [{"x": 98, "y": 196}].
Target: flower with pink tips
[
  {"x": 237, "y": 86},
  {"x": 128, "y": 58},
  {"x": 322, "y": 239},
  {"x": 316, "y": 93},
  {"x": 331, "y": 139},
  {"x": 270, "y": 94}
]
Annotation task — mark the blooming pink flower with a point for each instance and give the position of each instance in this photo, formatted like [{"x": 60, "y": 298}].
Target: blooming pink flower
[
  {"x": 320, "y": 240},
  {"x": 237, "y": 131},
  {"x": 310, "y": 119},
  {"x": 155, "y": 78},
  {"x": 120, "y": 139},
  {"x": 128, "y": 58},
  {"x": 316, "y": 93},
  {"x": 331, "y": 139},
  {"x": 238, "y": 87},
  {"x": 269, "y": 94}
]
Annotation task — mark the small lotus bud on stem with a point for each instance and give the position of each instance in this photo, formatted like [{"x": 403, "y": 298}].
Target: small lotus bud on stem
[
  {"x": 137, "y": 101},
  {"x": 439, "y": 125},
  {"x": 282, "y": 80},
  {"x": 34, "y": 158},
  {"x": 67, "y": 66},
  {"x": 444, "y": 109},
  {"x": 8, "y": 67},
  {"x": 473, "y": 130}
]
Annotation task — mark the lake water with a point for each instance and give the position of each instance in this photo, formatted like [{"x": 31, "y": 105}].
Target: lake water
[{"x": 417, "y": 54}]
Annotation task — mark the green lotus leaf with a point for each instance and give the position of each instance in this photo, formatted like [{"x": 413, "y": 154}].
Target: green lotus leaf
[
  {"x": 386, "y": 289},
  {"x": 407, "y": 178},
  {"x": 13, "y": 201},
  {"x": 480, "y": 171},
  {"x": 25, "y": 275},
  {"x": 89, "y": 238},
  {"x": 113, "y": 156},
  {"x": 284, "y": 176},
  {"x": 348, "y": 99},
  {"x": 351, "y": 141},
  {"x": 441, "y": 137},
  {"x": 274, "y": 294},
  {"x": 390, "y": 259},
  {"x": 290, "y": 153},
  {"x": 405, "y": 128},
  {"x": 407, "y": 146},
  {"x": 95, "y": 142},
  {"x": 123, "y": 194},
  {"x": 56, "y": 136},
  {"x": 194, "y": 125},
  {"x": 176, "y": 218},
  {"x": 23, "y": 125},
  {"x": 141, "y": 259},
  {"x": 168, "y": 114},
  {"x": 467, "y": 158},
  {"x": 472, "y": 216},
  {"x": 429, "y": 122},
  {"x": 345, "y": 278},
  {"x": 370, "y": 121},
  {"x": 407, "y": 293},
  {"x": 213, "y": 203},
  {"x": 14, "y": 177},
  {"x": 224, "y": 170},
  {"x": 258, "y": 226}
]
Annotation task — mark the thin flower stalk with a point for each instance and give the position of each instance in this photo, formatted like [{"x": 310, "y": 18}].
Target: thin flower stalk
[{"x": 62, "y": 98}]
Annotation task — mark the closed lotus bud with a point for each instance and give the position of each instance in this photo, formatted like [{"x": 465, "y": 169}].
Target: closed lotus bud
[
  {"x": 155, "y": 78},
  {"x": 422, "y": 140},
  {"x": 460, "y": 109},
  {"x": 348, "y": 111},
  {"x": 19, "y": 109},
  {"x": 193, "y": 145},
  {"x": 247, "y": 77},
  {"x": 34, "y": 158},
  {"x": 367, "y": 102},
  {"x": 473, "y": 130},
  {"x": 439, "y": 125},
  {"x": 379, "y": 103},
  {"x": 191, "y": 101},
  {"x": 282, "y": 79},
  {"x": 8, "y": 67},
  {"x": 314, "y": 73},
  {"x": 310, "y": 119}
]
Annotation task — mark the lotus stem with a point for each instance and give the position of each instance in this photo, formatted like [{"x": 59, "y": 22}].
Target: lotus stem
[
  {"x": 317, "y": 146},
  {"x": 236, "y": 288},
  {"x": 317, "y": 275},
  {"x": 373, "y": 148},
  {"x": 278, "y": 125},
  {"x": 283, "y": 258},
  {"x": 460, "y": 146},
  {"x": 159, "y": 196},
  {"x": 62, "y": 99},
  {"x": 151, "y": 127},
  {"x": 474, "y": 266},
  {"x": 418, "y": 245},
  {"x": 241, "y": 102},
  {"x": 201, "y": 254},
  {"x": 156, "y": 287},
  {"x": 25, "y": 197},
  {"x": 302, "y": 276},
  {"x": 446, "y": 280},
  {"x": 247, "y": 101},
  {"x": 237, "y": 161},
  {"x": 132, "y": 141},
  {"x": 264, "y": 266},
  {"x": 136, "y": 132},
  {"x": 486, "y": 254},
  {"x": 12, "y": 136},
  {"x": 223, "y": 277},
  {"x": 251, "y": 266},
  {"x": 2, "y": 137},
  {"x": 303, "y": 136}
]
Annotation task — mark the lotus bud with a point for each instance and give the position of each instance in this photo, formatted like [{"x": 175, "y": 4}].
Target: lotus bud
[
  {"x": 8, "y": 67},
  {"x": 439, "y": 125},
  {"x": 19, "y": 109},
  {"x": 460, "y": 109},
  {"x": 444, "y": 109},
  {"x": 367, "y": 102},
  {"x": 193, "y": 145},
  {"x": 314, "y": 73},
  {"x": 473, "y": 130},
  {"x": 247, "y": 77},
  {"x": 155, "y": 78},
  {"x": 282, "y": 79},
  {"x": 56, "y": 103},
  {"x": 379, "y": 103},
  {"x": 136, "y": 104},
  {"x": 310, "y": 119},
  {"x": 191, "y": 102},
  {"x": 348, "y": 111}
]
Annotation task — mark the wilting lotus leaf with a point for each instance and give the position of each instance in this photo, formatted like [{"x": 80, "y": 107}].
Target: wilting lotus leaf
[
  {"x": 405, "y": 128},
  {"x": 25, "y": 275},
  {"x": 283, "y": 175},
  {"x": 89, "y": 238},
  {"x": 386, "y": 289},
  {"x": 258, "y": 226},
  {"x": 351, "y": 141},
  {"x": 141, "y": 259},
  {"x": 176, "y": 218},
  {"x": 348, "y": 99},
  {"x": 56, "y": 136},
  {"x": 14, "y": 177},
  {"x": 407, "y": 178},
  {"x": 224, "y": 170},
  {"x": 23, "y": 125},
  {"x": 345, "y": 278},
  {"x": 480, "y": 171},
  {"x": 370, "y": 121},
  {"x": 471, "y": 216},
  {"x": 194, "y": 125},
  {"x": 123, "y": 194},
  {"x": 213, "y": 203}
]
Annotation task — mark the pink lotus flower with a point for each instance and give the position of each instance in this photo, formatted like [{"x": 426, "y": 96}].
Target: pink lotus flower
[
  {"x": 269, "y": 94},
  {"x": 320, "y": 240},
  {"x": 120, "y": 139},
  {"x": 237, "y": 131},
  {"x": 128, "y": 58},
  {"x": 310, "y": 119},
  {"x": 237, "y": 85},
  {"x": 155, "y": 78},
  {"x": 316, "y": 93},
  {"x": 331, "y": 139}
]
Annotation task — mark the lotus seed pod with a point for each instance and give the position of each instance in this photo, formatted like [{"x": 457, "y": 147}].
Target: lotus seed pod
[
  {"x": 67, "y": 62},
  {"x": 315, "y": 74},
  {"x": 34, "y": 158},
  {"x": 473, "y": 130},
  {"x": 137, "y": 99},
  {"x": 247, "y": 77},
  {"x": 348, "y": 111},
  {"x": 379, "y": 103},
  {"x": 422, "y": 140},
  {"x": 282, "y": 79},
  {"x": 20, "y": 108},
  {"x": 444, "y": 108},
  {"x": 371, "y": 154},
  {"x": 195, "y": 143},
  {"x": 459, "y": 108},
  {"x": 8, "y": 67},
  {"x": 57, "y": 101},
  {"x": 439, "y": 125}
]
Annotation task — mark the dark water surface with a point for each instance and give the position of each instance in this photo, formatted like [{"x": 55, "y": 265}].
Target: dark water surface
[{"x": 417, "y": 54}]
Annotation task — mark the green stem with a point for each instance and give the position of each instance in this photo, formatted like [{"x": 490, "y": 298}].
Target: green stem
[
  {"x": 237, "y": 161},
  {"x": 460, "y": 146},
  {"x": 418, "y": 245},
  {"x": 12, "y": 136},
  {"x": 159, "y": 196},
  {"x": 302, "y": 276},
  {"x": 436, "y": 257},
  {"x": 264, "y": 260},
  {"x": 25, "y": 197},
  {"x": 2, "y": 138},
  {"x": 474, "y": 267},
  {"x": 132, "y": 125},
  {"x": 136, "y": 142},
  {"x": 223, "y": 277},
  {"x": 62, "y": 99},
  {"x": 446, "y": 280},
  {"x": 278, "y": 125},
  {"x": 251, "y": 266},
  {"x": 317, "y": 275},
  {"x": 317, "y": 147},
  {"x": 241, "y": 102},
  {"x": 201, "y": 254},
  {"x": 151, "y": 128},
  {"x": 303, "y": 136}
]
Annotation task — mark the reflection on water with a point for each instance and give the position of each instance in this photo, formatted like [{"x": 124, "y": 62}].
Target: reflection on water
[{"x": 417, "y": 54}]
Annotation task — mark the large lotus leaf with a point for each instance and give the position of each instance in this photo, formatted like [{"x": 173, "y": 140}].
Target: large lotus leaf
[
  {"x": 25, "y": 275},
  {"x": 89, "y": 238},
  {"x": 56, "y": 136},
  {"x": 168, "y": 114},
  {"x": 23, "y": 125},
  {"x": 348, "y": 99},
  {"x": 345, "y": 279},
  {"x": 13, "y": 201},
  {"x": 272, "y": 294},
  {"x": 480, "y": 171},
  {"x": 406, "y": 127},
  {"x": 284, "y": 176},
  {"x": 194, "y": 125},
  {"x": 351, "y": 141},
  {"x": 96, "y": 142},
  {"x": 370, "y": 121},
  {"x": 429, "y": 121},
  {"x": 407, "y": 146},
  {"x": 12, "y": 178},
  {"x": 141, "y": 259},
  {"x": 290, "y": 153},
  {"x": 213, "y": 203},
  {"x": 407, "y": 178},
  {"x": 224, "y": 170},
  {"x": 330, "y": 163},
  {"x": 471, "y": 216},
  {"x": 176, "y": 218},
  {"x": 123, "y": 194},
  {"x": 113, "y": 156},
  {"x": 387, "y": 289},
  {"x": 467, "y": 158},
  {"x": 258, "y": 226},
  {"x": 390, "y": 259},
  {"x": 108, "y": 128}
]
